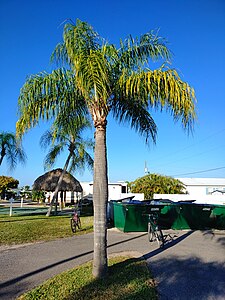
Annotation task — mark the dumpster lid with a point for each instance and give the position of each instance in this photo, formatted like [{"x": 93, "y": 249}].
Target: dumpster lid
[
  {"x": 186, "y": 201},
  {"x": 127, "y": 199}
]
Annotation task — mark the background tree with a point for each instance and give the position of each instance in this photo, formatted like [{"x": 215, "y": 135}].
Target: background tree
[
  {"x": 11, "y": 149},
  {"x": 38, "y": 196},
  {"x": 66, "y": 133},
  {"x": 7, "y": 183},
  {"x": 25, "y": 191},
  {"x": 109, "y": 79},
  {"x": 157, "y": 184}
]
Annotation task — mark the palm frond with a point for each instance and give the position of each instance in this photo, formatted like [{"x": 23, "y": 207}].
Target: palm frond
[
  {"x": 137, "y": 52},
  {"x": 20, "y": 154},
  {"x": 81, "y": 160},
  {"x": 46, "y": 139},
  {"x": 134, "y": 112},
  {"x": 44, "y": 96},
  {"x": 80, "y": 38},
  {"x": 162, "y": 89},
  {"x": 59, "y": 55},
  {"x": 66, "y": 133},
  {"x": 77, "y": 38},
  {"x": 11, "y": 149},
  {"x": 69, "y": 118},
  {"x": 92, "y": 76},
  {"x": 11, "y": 158},
  {"x": 52, "y": 155}
]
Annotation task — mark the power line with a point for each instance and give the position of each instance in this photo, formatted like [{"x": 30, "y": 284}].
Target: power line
[
  {"x": 204, "y": 171},
  {"x": 189, "y": 157},
  {"x": 190, "y": 146}
]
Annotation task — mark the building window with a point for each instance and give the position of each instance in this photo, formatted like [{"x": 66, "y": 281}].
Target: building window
[{"x": 123, "y": 189}]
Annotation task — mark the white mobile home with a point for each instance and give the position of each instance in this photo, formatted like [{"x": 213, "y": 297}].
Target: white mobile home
[
  {"x": 202, "y": 190},
  {"x": 204, "y": 186}
]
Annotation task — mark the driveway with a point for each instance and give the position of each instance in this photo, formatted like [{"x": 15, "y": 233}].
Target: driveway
[{"x": 192, "y": 265}]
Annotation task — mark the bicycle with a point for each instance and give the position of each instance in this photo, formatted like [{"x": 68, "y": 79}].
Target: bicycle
[
  {"x": 75, "y": 221},
  {"x": 154, "y": 231}
]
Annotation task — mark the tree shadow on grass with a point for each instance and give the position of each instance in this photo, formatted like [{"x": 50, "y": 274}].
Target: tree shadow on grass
[
  {"x": 189, "y": 278},
  {"x": 133, "y": 283}
]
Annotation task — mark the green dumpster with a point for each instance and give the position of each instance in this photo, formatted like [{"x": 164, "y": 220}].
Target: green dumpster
[
  {"x": 194, "y": 216},
  {"x": 130, "y": 217},
  {"x": 169, "y": 216},
  {"x": 218, "y": 215}
]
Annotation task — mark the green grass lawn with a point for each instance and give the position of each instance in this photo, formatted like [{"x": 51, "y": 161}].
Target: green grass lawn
[
  {"x": 128, "y": 278},
  {"x": 26, "y": 229}
]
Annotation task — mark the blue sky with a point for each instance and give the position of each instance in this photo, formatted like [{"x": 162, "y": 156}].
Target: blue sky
[{"x": 195, "y": 31}]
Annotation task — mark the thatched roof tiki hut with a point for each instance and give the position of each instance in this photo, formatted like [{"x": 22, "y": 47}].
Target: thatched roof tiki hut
[{"x": 49, "y": 181}]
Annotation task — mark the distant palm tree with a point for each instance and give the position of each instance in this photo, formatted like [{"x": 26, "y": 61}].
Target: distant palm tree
[
  {"x": 66, "y": 133},
  {"x": 108, "y": 79},
  {"x": 156, "y": 184},
  {"x": 11, "y": 149}
]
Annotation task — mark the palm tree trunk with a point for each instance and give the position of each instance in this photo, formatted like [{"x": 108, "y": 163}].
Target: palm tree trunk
[
  {"x": 2, "y": 155},
  {"x": 54, "y": 198},
  {"x": 1, "y": 159},
  {"x": 100, "y": 199}
]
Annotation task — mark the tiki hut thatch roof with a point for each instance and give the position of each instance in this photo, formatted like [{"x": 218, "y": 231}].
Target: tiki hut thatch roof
[{"x": 49, "y": 180}]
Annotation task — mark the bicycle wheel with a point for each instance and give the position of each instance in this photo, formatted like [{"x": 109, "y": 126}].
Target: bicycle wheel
[
  {"x": 150, "y": 232},
  {"x": 159, "y": 237},
  {"x": 78, "y": 223},
  {"x": 73, "y": 225}
]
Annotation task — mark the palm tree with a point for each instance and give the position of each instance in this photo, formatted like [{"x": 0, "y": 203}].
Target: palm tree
[
  {"x": 109, "y": 79},
  {"x": 11, "y": 149},
  {"x": 66, "y": 132},
  {"x": 156, "y": 184}
]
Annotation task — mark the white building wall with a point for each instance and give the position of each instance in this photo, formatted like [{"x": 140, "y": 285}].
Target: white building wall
[
  {"x": 203, "y": 186},
  {"x": 202, "y": 190},
  {"x": 87, "y": 188},
  {"x": 115, "y": 191},
  {"x": 196, "y": 190}
]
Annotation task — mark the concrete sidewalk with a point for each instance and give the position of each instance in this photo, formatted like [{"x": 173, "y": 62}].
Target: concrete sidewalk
[{"x": 192, "y": 266}]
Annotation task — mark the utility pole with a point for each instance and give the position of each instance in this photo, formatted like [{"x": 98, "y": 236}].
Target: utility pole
[{"x": 146, "y": 169}]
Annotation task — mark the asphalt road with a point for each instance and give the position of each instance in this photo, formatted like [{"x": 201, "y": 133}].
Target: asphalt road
[{"x": 192, "y": 265}]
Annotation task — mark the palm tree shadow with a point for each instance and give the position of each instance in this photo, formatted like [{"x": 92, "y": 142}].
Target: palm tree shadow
[
  {"x": 221, "y": 241},
  {"x": 215, "y": 235},
  {"x": 189, "y": 278}
]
